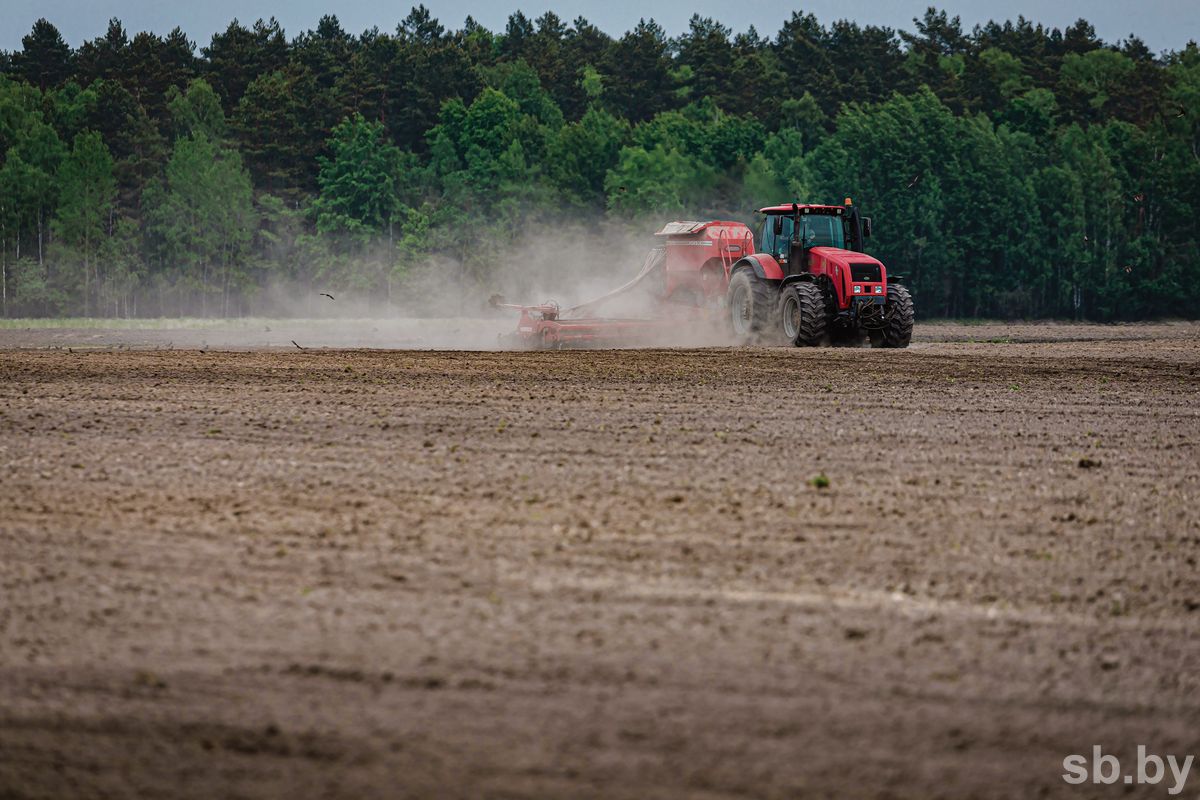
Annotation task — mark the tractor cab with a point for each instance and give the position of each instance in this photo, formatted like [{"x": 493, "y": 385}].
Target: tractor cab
[{"x": 789, "y": 231}]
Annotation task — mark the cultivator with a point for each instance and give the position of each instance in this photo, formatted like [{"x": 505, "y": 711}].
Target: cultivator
[
  {"x": 542, "y": 328},
  {"x": 808, "y": 284},
  {"x": 547, "y": 326}
]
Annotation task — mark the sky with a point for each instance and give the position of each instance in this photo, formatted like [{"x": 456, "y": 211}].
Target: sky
[{"x": 1162, "y": 24}]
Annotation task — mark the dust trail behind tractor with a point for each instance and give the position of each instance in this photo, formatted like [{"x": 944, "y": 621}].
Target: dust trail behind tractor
[{"x": 675, "y": 297}]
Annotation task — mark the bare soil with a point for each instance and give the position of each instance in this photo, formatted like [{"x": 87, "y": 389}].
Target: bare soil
[{"x": 385, "y": 573}]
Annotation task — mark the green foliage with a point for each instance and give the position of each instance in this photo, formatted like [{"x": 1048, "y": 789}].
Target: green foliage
[
  {"x": 205, "y": 218},
  {"x": 88, "y": 191},
  {"x": 1096, "y": 74},
  {"x": 957, "y": 216},
  {"x": 659, "y": 180},
  {"x": 1012, "y": 170},
  {"x": 804, "y": 114},
  {"x": 592, "y": 83},
  {"x": 28, "y": 282},
  {"x": 1005, "y": 72},
  {"x": 121, "y": 257},
  {"x": 276, "y": 135},
  {"x": 583, "y": 153},
  {"x": 45, "y": 58},
  {"x": 359, "y": 182},
  {"x": 238, "y": 55},
  {"x": 197, "y": 111},
  {"x": 777, "y": 173}
]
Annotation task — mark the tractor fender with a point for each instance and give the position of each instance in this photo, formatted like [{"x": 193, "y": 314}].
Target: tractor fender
[{"x": 762, "y": 264}]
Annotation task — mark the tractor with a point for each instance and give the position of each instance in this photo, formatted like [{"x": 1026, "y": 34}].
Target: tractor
[{"x": 808, "y": 283}]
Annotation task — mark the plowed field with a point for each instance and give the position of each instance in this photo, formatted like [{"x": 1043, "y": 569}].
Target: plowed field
[{"x": 393, "y": 573}]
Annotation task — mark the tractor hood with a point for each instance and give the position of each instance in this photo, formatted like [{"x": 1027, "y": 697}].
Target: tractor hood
[
  {"x": 840, "y": 257},
  {"x": 852, "y": 274}
]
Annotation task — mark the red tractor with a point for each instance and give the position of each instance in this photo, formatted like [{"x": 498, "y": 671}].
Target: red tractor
[{"x": 808, "y": 283}]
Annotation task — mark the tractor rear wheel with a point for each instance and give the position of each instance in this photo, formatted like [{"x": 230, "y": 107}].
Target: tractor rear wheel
[
  {"x": 802, "y": 315},
  {"x": 897, "y": 330},
  {"x": 750, "y": 307}
]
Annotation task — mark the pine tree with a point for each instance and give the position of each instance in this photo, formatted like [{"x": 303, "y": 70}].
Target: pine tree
[
  {"x": 638, "y": 68},
  {"x": 235, "y": 57},
  {"x": 45, "y": 59}
]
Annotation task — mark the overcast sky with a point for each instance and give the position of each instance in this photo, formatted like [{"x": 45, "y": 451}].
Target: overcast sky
[{"x": 1162, "y": 24}]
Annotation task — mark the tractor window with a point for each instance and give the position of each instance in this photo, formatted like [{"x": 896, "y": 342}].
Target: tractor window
[
  {"x": 770, "y": 243},
  {"x": 766, "y": 239},
  {"x": 819, "y": 230},
  {"x": 823, "y": 230}
]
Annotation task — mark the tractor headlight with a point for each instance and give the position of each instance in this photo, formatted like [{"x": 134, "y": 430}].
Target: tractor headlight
[
  {"x": 878, "y": 290},
  {"x": 858, "y": 290}
]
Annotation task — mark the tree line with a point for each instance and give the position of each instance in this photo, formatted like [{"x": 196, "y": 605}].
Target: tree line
[{"x": 1012, "y": 170}]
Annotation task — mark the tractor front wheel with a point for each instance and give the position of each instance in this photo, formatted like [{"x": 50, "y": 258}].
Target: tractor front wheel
[
  {"x": 749, "y": 306},
  {"x": 898, "y": 313},
  {"x": 802, "y": 315}
]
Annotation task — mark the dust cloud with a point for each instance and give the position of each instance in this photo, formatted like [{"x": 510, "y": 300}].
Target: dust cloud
[
  {"x": 441, "y": 302},
  {"x": 445, "y": 303}
]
